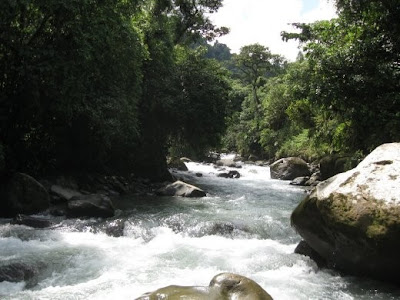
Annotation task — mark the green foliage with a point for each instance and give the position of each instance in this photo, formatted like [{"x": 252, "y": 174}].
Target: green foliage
[
  {"x": 255, "y": 61},
  {"x": 298, "y": 145},
  {"x": 93, "y": 85},
  {"x": 110, "y": 85},
  {"x": 70, "y": 82},
  {"x": 354, "y": 70},
  {"x": 218, "y": 51},
  {"x": 200, "y": 109},
  {"x": 189, "y": 19}
]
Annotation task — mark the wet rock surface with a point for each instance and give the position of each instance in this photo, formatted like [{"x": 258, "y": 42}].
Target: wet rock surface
[
  {"x": 21, "y": 193},
  {"x": 224, "y": 286},
  {"x": 352, "y": 220},
  {"x": 289, "y": 168},
  {"x": 230, "y": 174},
  {"x": 93, "y": 205},
  {"x": 181, "y": 189},
  {"x": 35, "y": 222}
]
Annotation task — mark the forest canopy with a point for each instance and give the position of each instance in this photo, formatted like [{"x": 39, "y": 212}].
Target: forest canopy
[{"x": 116, "y": 86}]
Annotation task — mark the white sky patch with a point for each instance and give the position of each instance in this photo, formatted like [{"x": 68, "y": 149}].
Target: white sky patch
[{"x": 261, "y": 21}]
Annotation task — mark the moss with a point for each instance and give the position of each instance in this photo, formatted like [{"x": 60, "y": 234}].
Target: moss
[
  {"x": 371, "y": 219},
  {"x": 351, "y": 179},
  {"x": 375, "y": 231}
]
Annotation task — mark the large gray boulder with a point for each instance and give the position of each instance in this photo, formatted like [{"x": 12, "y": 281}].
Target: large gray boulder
[
  {"x": 22, "y": 194},
  {"x": 93, "y": 205},
  {"x": 289, "y": 168},
  {"x": 182, "y": 189},
  {"x": 225, "y": 286},
  {"x": 352, "y": 220}
]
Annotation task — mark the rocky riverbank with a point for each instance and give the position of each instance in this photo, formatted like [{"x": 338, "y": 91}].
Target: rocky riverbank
[{"x": 88, "y": 195}]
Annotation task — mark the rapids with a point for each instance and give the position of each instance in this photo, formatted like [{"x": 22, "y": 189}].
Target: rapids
[{"x": 242, "y": 226}]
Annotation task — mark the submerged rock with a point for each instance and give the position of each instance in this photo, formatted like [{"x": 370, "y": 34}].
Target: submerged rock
[
  {"x": 230, "y": 174},
  {"x": 222, "y": 229},
  {"x": 30, "y": 221},
  {"x": 300, "y": 181},
  {"x": 352, "y": 220},
  {"x": 22, "y": 194},
  {"x": 93, "y": 205},
  {"x": 18, "y": 271},
  {"x": 182, "y": 189},
  {"x": 225, "y": 286},
  {"x": 289, "y": 168}
]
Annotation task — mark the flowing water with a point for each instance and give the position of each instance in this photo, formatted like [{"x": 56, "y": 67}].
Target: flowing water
[{"x": 242, "y": 226}]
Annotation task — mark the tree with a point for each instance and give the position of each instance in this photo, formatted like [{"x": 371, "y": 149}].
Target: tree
[
  {"x": 189, "y": 19},
  {"x": 70, "y": 81},
  {"x": 355, "y": 70},
  {"x": 168, "y": 27},
  {"x": 218, "y": 51},
  {"x": 200, "y": 109},
  {"x": 255, "y": 61}
]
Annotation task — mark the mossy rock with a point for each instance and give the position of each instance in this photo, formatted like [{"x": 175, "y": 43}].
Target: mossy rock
[
  {"x": 353, "y": 219},
  {"x": 289, "y": 168},
  {"x": 224, "y": 286}
]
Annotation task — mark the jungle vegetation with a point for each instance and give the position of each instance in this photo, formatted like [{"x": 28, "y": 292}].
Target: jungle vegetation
[{"x": 116, "y": 86}]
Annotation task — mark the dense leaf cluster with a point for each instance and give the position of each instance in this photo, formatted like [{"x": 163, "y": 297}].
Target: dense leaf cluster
[
  {"x": 104, "y": 86},
  {"x": 343, "y": 95}
]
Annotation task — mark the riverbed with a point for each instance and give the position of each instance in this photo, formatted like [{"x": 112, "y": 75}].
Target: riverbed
[{"x": 242, "y": 226}]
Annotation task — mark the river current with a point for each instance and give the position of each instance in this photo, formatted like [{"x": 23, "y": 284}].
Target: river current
[{"x": 242, "y": 226}]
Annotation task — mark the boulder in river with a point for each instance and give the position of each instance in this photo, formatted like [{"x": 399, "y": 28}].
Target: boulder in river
[
  {"x": 230, "y": 174},
  {"x": 182, "y": 189},
  {"x": 35, "y": 222},
  {"x": 178, "y": 164},
  {"x": 301, "y": 181},
  {"x": 352, "y": 220},
  {"x": 93, "y": 205},
  {"x": 19, "y": 271},
  {"x": 212, "y": 157},
  {"x": 314, "y": 179},
  {"x": 224, "y": 286},
  {"x": 63, "y": 193},
  {"x": 22, "y": 194},
  {"x": 289, "y": 168}
]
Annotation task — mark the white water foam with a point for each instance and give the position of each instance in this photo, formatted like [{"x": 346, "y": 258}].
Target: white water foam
[
  {"x": 241, "y": 227},
  {"x": 247, "y": 172}
]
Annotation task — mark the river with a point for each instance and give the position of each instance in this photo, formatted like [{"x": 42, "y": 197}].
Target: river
[{"x": 242, "y": 226}]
